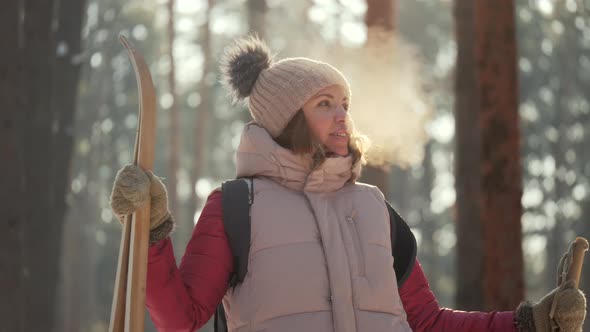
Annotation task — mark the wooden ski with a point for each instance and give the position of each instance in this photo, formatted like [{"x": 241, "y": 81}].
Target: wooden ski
[{"x": 128, "y": 308}]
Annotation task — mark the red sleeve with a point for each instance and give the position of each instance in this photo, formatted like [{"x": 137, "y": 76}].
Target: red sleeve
[
  {"x": 183, "y": 299},
  {"x": 424, "y": 314}
]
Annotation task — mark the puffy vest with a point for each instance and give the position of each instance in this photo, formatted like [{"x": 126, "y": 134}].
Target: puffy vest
[{"x": 320, "y": 255}]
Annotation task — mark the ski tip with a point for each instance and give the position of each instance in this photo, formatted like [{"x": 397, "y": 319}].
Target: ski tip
[{"x": 128, "y": 44}]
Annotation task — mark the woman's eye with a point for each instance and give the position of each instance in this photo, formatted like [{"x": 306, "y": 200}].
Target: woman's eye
[
  {"x": 324, "y": 103},
  {"x": 345, "y": 106}
]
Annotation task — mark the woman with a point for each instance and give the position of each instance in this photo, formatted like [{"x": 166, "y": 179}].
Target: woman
[{"x": 320, "y": 256}]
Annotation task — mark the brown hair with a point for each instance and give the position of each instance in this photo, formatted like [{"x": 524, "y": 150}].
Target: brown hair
[{"x": 297, "y": 137}]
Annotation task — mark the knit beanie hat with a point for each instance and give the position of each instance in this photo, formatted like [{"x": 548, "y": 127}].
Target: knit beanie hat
[{"x": 275, "y": 91}]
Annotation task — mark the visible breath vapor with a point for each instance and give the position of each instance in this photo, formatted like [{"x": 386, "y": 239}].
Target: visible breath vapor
[{"x": 389, "y": 103}]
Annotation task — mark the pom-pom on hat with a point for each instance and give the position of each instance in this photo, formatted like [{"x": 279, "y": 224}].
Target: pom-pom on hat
[{"x": 275, "y": 91}]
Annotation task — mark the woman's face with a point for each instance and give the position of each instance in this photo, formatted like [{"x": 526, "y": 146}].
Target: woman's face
[{"x": 326, "y": 114}]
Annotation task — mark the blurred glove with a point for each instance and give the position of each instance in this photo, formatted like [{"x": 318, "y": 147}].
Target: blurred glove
[
  {"x": 133, "y": 188},
  {"x": 563, "y": 309}
]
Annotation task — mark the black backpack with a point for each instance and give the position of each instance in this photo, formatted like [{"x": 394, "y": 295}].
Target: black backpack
[{"x": 237, "y": 197}]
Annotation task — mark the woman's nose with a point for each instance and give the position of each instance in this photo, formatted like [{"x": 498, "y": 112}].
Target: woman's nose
[{"x": 340, "y": 114}]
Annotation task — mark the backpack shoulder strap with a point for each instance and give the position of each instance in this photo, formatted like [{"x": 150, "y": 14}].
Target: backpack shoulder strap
[
  {"x": 403, "y": 245},
  {"x": 236, "y": 198}
]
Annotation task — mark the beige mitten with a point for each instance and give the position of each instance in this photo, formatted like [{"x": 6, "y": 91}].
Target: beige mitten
[
  {"x": 563, "y": 309},
  {"x": 130, "y": 191}
]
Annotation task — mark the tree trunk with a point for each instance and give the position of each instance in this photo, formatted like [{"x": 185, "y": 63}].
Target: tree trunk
[
  {"x": 202, "y": 113},
  {"x": 202, "y": 121},
  {"x": 488, "y": 170},
  {"x": 43, "y": 221},
  {"x": 379, "y": 18},
  {"x": 257, "y": 17},
  {"x": 427, "y": 248},
  {"x": 566, "y": 55},
  {"x": 380, "y": 13},
  {"x": 66, "y": 74},
  {"x": 65, "y": 78},
  {"x": 174, "y": 131},
  {"x": 256, "y": 24},
  {"x": 183, "y": 232},
  {"x": 377, "y": 176},
  {"x": 37, "y": 145},
  {"x": 467, "y": 177},
  {"x": 12, "y": 307}
]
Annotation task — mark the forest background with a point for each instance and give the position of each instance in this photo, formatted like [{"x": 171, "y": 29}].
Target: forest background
[{"x": 479, "y": 112}]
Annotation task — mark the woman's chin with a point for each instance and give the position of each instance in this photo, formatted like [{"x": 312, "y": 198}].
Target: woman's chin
[{"x": 338, "y": 152}]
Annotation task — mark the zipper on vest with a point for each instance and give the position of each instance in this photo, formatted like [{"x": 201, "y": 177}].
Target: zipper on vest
[{"x": 356, "y": 240}]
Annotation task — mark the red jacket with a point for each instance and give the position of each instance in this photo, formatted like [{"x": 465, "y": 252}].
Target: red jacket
[{"x": 184, "y": 298}]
